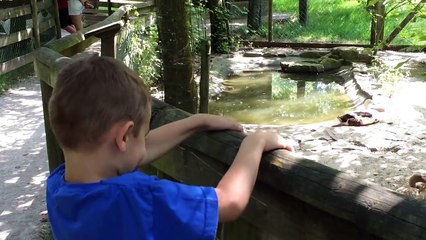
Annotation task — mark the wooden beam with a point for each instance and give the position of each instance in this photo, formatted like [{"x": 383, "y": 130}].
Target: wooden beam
[
  {"x": 15, "y": 12},
  {"x": 16, "y": 63},
  {"x": 57, "y": 20},
  {"x": 269, "y": 210},
  {"x": 36, "y": 24},
  {"x": 15, "y": 37}
]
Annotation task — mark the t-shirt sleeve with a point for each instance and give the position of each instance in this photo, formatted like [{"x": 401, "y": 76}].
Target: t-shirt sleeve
[{"x": 184, "y": 212}]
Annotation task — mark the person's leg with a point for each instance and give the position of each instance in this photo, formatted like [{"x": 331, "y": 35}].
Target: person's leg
[
  {"x": 77, "y": 21},
  {"x": 75, "y": 9}
]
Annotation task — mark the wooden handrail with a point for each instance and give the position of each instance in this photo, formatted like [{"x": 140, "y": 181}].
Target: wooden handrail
[{"x": 360, "y": 210}]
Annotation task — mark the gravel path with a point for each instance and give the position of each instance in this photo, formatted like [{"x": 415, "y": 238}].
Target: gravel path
[{"x": 23, "y": 161}]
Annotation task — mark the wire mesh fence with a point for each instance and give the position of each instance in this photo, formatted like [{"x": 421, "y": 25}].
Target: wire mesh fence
[{"x": 322, "y": 21}]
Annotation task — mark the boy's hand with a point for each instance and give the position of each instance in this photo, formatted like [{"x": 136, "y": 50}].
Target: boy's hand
[
  {"x": 213, "y": 122},
  {"x": 271, "y": 140}
]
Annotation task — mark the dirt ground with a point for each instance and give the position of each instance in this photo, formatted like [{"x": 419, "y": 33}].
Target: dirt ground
[{"x": 23, "y": 161}]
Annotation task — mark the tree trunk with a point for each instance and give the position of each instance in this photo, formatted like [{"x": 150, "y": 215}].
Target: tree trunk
[
  {"x": 219, "y": 27},
  {"x": 303, "y": 12},
  {"x": 404, "y": 22},
  {"x": 179, "y": 85},
  {"x": 254, "y": 16},
  {"x": 377, "y": 23}
]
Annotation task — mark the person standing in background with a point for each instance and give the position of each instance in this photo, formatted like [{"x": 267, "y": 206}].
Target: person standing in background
[
  {"x": 64, "y": 17},
  {"x": 75, "y": 10}
]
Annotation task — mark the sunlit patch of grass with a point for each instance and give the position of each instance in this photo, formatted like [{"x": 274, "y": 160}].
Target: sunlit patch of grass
[{"x": 343, "y": 21}]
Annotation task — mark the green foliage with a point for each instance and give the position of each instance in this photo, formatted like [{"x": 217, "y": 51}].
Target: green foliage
[
  {"x": 328, "y": 21},
  {"x": 395, "y": 12},
  {"x": 138, "y": 49},
  {"x": 199, "y": 18},
  {"x": 388, "y": 75},
  {"x": 198, "y": 24},
  {"x": 223, "y": 14},
  {"x": 345, "y": 21}
]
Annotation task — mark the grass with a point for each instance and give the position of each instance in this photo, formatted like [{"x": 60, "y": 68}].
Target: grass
[
  {"x": 9, "y": 79},
  {"x": 340, "y": 21}
]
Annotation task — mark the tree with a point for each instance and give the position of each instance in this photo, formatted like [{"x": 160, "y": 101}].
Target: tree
[
  {"x": 254, "y": 15},
  {"x": 382, "y": 10},
  {"x": 404, "y": 22},
  {"x": 176, "y": 54},
  {"x": 219, "y": 27}
]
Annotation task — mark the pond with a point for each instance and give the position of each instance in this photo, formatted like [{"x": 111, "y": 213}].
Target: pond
[{"x": 278, "y": 98}]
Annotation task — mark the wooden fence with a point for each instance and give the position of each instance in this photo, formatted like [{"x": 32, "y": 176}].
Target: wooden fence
[
  {"x": 294, "y": 198},
  {"x": 36, "y": 17}
]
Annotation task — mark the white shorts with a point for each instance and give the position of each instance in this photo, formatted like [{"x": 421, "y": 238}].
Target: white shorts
[{"x": 75, "y": 7}]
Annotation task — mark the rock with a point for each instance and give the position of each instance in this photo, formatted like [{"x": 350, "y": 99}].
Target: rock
[
  {"x": 330, "y": 64},
  {"x": 313, "y": 54},
  {"x": 346, "y": 53},
  {"x": 272, "y": 54},
  {"x": 365, "y": 58},
  {"x": 417, "y": 181},
  {"x": 301, "y": 67},
  {"x": 351, "y": 54},
  {"x": 253, "y": 54}
]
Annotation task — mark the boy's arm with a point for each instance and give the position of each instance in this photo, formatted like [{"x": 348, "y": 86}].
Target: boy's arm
[
  {"x": 162, "y": 139},
  {"x": 234, "y": 189}
]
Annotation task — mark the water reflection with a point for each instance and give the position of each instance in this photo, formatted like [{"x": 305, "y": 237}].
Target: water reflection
[{"x": 277, "y": 98}]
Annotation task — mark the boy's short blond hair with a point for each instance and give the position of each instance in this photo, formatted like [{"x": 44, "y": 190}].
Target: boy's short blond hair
[{"x": 90, "y": 96}]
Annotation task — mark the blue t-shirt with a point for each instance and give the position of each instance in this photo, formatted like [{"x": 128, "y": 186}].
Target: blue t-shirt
[{"x": 131, "y": 206}]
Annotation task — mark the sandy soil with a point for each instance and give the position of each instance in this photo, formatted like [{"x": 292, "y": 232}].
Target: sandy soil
[{"x": 23, "y": 161}]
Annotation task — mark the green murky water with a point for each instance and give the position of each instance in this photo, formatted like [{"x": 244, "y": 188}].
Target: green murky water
[{"x": 277, "y": 98}]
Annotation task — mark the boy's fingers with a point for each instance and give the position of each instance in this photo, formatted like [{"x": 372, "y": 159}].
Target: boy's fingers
[{"x": 288, "y": 148}]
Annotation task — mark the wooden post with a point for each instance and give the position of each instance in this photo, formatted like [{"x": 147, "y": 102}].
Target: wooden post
[
  {"x": 270, "y": 21},
  {"x": 54, "y": 152},
  {"x": 109, "y": 7},
  {"x": 254, "y": 15},
  {"x": 57, "y": 21},
  {"x": 36, "y": 25},
  {"x": 301, "y": 88},
  {"x": 204, "y": 79},
  {"x": 109, "y": 46},
  {"x": 303, "y": 12}
]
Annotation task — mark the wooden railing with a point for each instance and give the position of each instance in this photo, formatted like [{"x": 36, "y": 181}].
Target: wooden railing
[
  {"x": 10, "y": 10},
  {"x": 19, "y": 8},
  {"x": 294, "y": 197}
]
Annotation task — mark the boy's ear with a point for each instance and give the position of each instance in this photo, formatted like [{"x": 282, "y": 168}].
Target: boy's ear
[{"x": 121, "y": 137}]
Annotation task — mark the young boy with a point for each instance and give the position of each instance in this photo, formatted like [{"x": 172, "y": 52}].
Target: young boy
[{"x": 100, "y": 113}]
